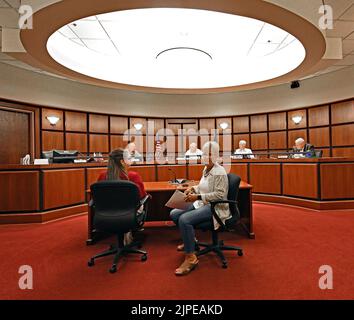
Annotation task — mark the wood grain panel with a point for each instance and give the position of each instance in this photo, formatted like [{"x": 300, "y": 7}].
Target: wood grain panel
[
  {"x": 300, "y": 180},
  {"x": 52, "y": 140},
  {"x": 158, "y": 124},
  {"x": 147, "y": 173},
  {"x": 225, "y": 142},
  {"x": 134, "y": 121},
  {"x": 343, "y": 135},
  {"x": 259, "y": 141},
  {"x": 343, "y": 112},
  {"x": 343, "y": 152},
  {"x": 259, "y": 123},
  {"x": 98, "y": 143},
  {"x": 19, "y": 191},
  {"x": 76, "y": 141},
  {"x": 118, "y": 124},
  {"x": 118, "y": 142},
  {"x": 238, "y": 137},
  {"x": 15, "y": 138},
  {"x": 326, "y": 152},
  {"x": 63, "y": 187},
  {"x": 195, "y": 171},
  {"x": 319, "y": 137},
  {"x": 52, "y": 112},
  {"x": 207, "y": 124},
  {"x": 277, "y": 121},
  {"x": 294, "y": 113},
  {"x": 294, "y": 134},
  {"x": 98, "y": 123},
  {"x": 277, "y": 140},
  {"x": 92, "y": 175},
  {"x": 319, "y": 116},
  {"x": 265, "y": 178},
  {"x": 75, "y": 121},
  {"x": 240, "y": 170},
  {"x": 337, "y": 181},
  {"x": 173, "y": 128},
  {"x": 241, "y": 124},
  {"x": 164, "y": 174}
]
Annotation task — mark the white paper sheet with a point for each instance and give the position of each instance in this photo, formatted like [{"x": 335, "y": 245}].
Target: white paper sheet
[{"x": 177, "y": 201}]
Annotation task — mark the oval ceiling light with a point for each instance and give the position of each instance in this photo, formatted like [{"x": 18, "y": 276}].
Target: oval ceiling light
[
  {"x": 296, "y": 119},
  {"x": 53, "y": 120},
  {"x": 224, "y": 125},
  {"x": 176, "y": 48},
  {"x": 138, "y": 126}
]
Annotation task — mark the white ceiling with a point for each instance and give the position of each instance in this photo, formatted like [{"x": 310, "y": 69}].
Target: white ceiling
[{"x": 343, "y": 27}]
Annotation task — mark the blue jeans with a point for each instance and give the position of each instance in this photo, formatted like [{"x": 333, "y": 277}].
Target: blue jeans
[{"x": 186, "y": 220}]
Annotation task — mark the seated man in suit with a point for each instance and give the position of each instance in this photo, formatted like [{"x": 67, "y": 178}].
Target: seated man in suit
[
  {"x": 242, "y": 150},
  {"x": 193, "y": 151},
  {"x": 302, "y": 146},
  {"x": 134, "y": 155}
]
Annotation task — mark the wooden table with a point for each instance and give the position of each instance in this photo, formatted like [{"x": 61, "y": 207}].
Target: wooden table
[{"x": 161, "y": 191}]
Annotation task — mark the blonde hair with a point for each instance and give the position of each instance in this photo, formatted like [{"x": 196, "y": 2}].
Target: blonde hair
[{"x": 115, "y": 166}]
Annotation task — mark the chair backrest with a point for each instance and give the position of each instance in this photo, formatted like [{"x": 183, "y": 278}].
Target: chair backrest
[
  {"x": 115, "y": 205},
  {"x": 318, "y": 153},
  {"x": 234, "y": 187}
]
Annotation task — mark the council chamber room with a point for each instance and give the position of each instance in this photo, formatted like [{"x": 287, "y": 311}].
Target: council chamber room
[{"x": 177, "y": 150}]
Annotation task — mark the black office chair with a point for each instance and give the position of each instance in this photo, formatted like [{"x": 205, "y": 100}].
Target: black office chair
[
  {"x": 115, "y": 205},
  {"x": 318, "y": 153},
  {"x": 217, "y": 245}
]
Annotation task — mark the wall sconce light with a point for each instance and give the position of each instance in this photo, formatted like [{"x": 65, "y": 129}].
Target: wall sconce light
[
  {"x": 224, "y": 125},
  {"x": 138, "y": 126},
  {"x": 53, "y": 120},
  {"x": 297, "y": 119}
]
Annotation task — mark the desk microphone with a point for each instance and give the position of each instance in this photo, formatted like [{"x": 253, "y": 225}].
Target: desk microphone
[{"x": 174, "y": 174}]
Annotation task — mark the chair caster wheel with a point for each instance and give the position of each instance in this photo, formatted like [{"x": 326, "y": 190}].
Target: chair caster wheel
[
  {"x": 224, "y": 265},
  {"x": 240, "y": 253},
  {"x": 113, "y": 269},
  {"x": 91, "y": 263},
  {"x": 144, "y": 257}
]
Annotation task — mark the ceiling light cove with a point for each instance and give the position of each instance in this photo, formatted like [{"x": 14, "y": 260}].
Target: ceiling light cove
[{"x": 176, "y": 48}]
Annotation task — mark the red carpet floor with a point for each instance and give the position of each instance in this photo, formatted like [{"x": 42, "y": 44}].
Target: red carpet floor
[{"x": 282, "y": 263}]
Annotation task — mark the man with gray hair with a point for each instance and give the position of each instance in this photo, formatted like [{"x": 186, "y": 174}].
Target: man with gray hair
[
  {"x": 302, "y": 146},
  {"x": 242, "y": 150}
]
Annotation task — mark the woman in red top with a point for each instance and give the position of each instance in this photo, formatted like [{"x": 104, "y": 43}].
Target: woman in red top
[{"x": 118, "y": 166}]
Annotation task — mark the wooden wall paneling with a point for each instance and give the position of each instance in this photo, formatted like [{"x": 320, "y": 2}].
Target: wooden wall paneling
[
  {"x": 19, "y": 191},
  {"x": 147, "y": 173},
  {"x": 342, "y": 112},
  {"x": 240, "y": 170},
  {"x": 117, "y": 141},
  {"x": 337, "y": 181},
  {"x": 164, "y": 174},
  {"x": 92, "y": 175},
  {"x": 319, "y": 137},
  {"x": 326, "y": 152},
  {"x": 63, "y": 187},
  {"x": 343, "y": 152},
  {"x": 75, "y": 121},
  {"x": 302, "y": 124},
  {"x": 277, "y": 121},
  {"x": 300, "y": 180},
  {"x": 98, "y": 123},
  {"x": 319, "y": 116},
  {"x": 52, "y": 112},
  {"x": 99, "y": 143},
  {"x": 76, "y": 141},
  {"x": 207, "y": 125},
  {"x": 265, "y": 178},
  {"x": 118, "y": 125},
  {"x": 158, "y": 125},
  {"x": 238, "y": 137},
  {"x": 294, "y": 134},
  {"x": 277, "y": 140},
  {"x": 259, "y": 141},
  {"x": 241, "y": 124},
  {"x": 259, "y": 123},
  {"x": 343, "y": 135},
  {"x": 134, "y": 121},
  {"x": 173, "y": 128},
  {"x": 15, "y": 136},
  {"x": 52, "y": 140},
  {"x": 195, "y": 171},
  {"x": 225, "y": 142}
]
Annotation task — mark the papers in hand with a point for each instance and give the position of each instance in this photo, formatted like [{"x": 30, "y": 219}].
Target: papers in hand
[{"x": 177, "y": 201}]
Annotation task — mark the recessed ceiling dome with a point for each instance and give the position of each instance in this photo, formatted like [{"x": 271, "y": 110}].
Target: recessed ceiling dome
[{"x": 176, "y": 48}]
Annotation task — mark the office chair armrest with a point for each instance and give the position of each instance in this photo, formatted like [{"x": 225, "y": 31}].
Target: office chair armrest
[
  {"x": 144, "y": 200},
  {"x": 215, "y": 215},
  {"x": 215, "y": 202}
]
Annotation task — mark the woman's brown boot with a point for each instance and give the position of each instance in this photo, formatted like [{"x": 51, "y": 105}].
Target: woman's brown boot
[{"x": 189, "y": 263}]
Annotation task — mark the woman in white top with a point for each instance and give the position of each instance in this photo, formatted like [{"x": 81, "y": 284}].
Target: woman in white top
[
  {"x": 243, "y": 150},
  {"x": 213, "y": 185},
  {"x": 193, "y": 150}
]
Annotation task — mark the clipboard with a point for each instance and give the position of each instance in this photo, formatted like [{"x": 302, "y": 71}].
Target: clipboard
[{"x": 177, "y": 201}]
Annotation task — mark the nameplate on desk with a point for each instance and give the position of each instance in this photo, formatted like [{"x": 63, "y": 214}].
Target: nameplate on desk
[
  {"x": 41, "y": 161},
  {"x": 80, "y": 161}
]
